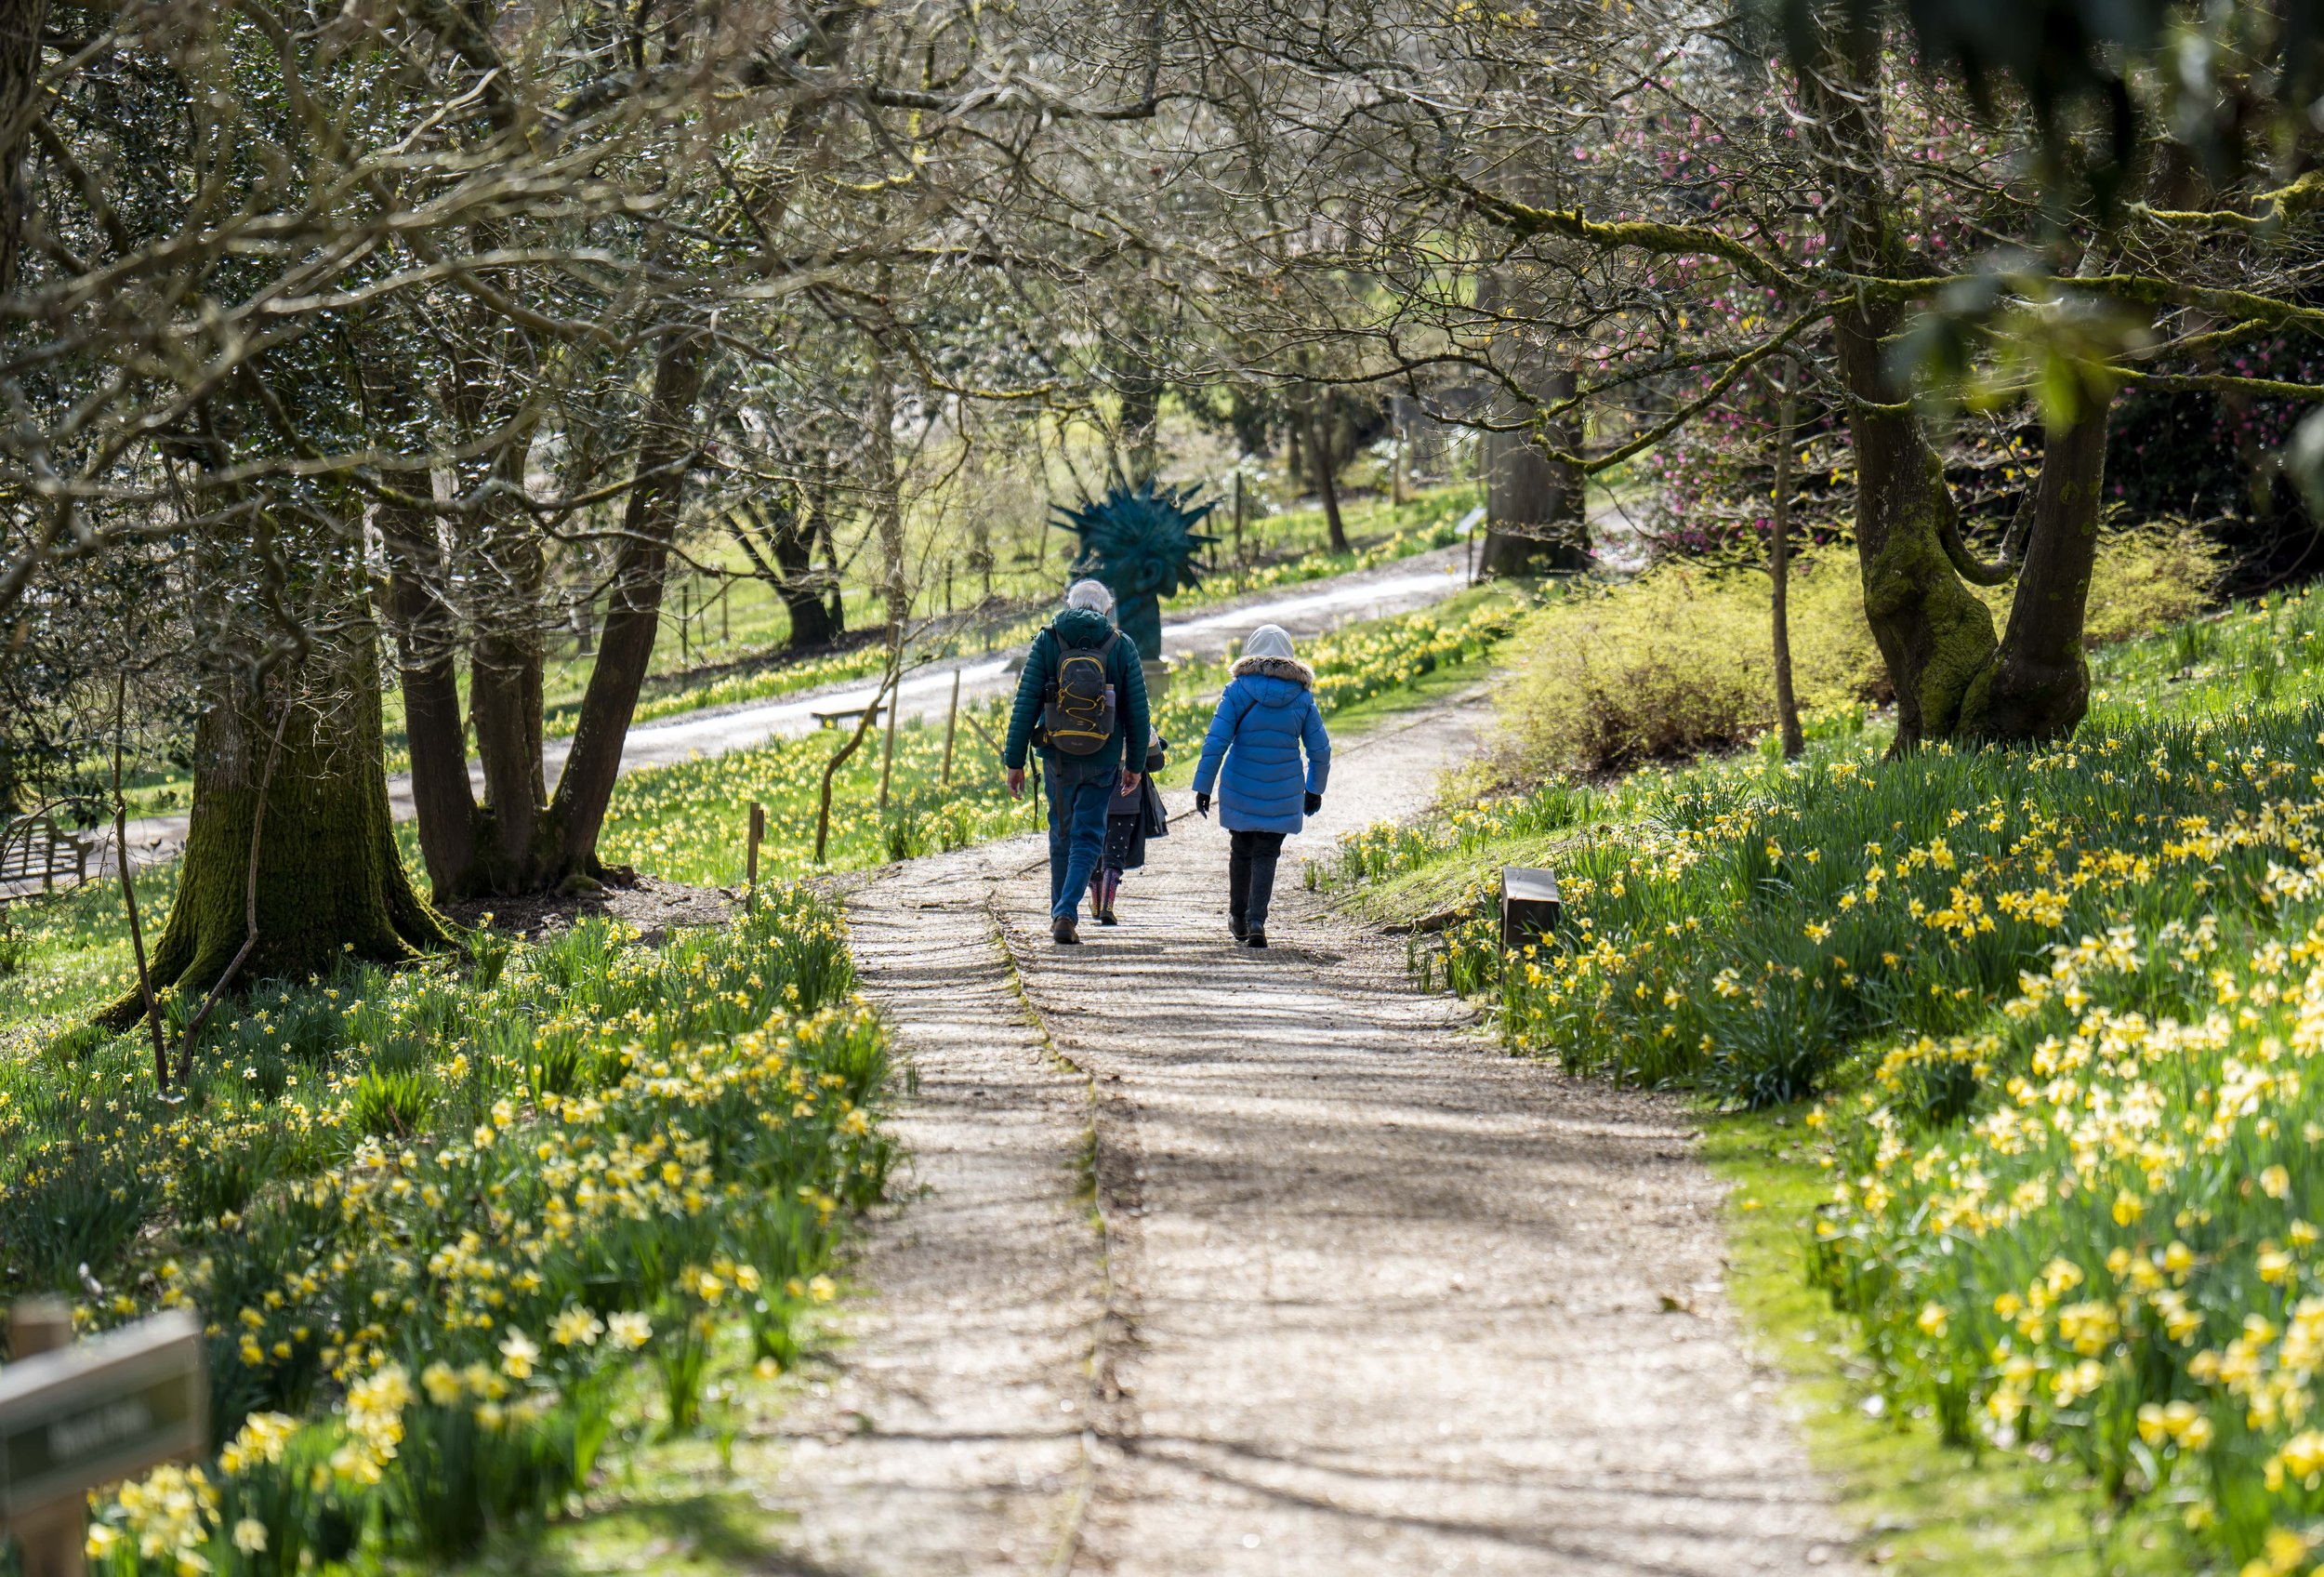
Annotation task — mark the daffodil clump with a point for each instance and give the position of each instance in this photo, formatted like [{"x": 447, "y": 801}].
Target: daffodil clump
[
  {"x": 2091, "y": 1224},
  {"x": 432, "y": 1219},
  {"x": 1370, "y": 659},
  {"x": 1742, "y": 930},
  {"x": 2062, "y": 1006}
]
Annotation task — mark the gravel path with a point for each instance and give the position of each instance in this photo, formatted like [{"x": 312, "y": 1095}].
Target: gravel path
[{"x": 1359, "y": 1296}]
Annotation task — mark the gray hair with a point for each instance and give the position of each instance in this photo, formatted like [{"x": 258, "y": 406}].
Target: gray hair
[
  {"x": 1091, "y": 595},
  {"x": 1268, "y": 640}
]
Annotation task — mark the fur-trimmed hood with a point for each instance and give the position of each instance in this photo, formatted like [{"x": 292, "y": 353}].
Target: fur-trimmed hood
[{"x": 1291, "y": 669}]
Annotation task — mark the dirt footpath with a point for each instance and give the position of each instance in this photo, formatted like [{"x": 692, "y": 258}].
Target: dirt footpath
[{"x": 1358, "y": 1294}]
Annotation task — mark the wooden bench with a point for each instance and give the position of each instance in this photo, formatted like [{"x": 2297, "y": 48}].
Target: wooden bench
[
  {"x": 34, "y": 848},
  {"x": 838, "y": 715}
]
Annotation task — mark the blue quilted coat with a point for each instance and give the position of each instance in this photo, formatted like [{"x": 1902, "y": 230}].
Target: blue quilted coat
[{"x": 1266, "y": 717}]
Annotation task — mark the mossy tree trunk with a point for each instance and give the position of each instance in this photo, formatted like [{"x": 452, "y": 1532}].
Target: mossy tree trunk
[
  {"x": 1954, "y": 676},
  {"x": 1935, "y": 635},
  {"x": 2038, "y": 686},
  {"x": 330, "y": 881}
]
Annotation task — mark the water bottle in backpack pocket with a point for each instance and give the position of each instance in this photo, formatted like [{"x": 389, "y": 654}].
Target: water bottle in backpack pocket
[{"x": 1078, "y": 706}]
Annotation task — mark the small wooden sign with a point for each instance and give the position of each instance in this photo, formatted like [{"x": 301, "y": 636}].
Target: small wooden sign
[
  {"x": 96, "y": 1411},
  {"x": 1530, "y": 906}
]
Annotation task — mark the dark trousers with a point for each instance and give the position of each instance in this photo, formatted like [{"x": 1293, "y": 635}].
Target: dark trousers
[
  {"x": 1076, "y": 838},
  {"x": 1250, "y": 875}
]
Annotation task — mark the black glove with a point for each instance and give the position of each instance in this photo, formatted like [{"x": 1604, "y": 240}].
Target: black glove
[
  {"x": 1201, "y": 805},
  {"x": 1314, "y": 802}
]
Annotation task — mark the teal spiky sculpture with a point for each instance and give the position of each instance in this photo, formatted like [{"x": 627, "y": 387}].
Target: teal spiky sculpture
[{"x": 1142, "y": 542}]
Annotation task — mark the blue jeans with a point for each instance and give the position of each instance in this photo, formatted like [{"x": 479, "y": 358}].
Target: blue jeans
[{"x": 1076, "y": 838}]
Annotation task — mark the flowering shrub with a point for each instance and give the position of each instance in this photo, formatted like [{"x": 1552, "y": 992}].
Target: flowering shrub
[{"x": 1681, "y": 661}]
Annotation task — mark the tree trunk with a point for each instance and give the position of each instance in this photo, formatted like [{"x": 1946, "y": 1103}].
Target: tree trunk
[
  {"x": 1325, "y": 463},
  {"x": 1141, "y": 393},
  {"x": 1934, "y": 635},
  {"x": 20, "y": 24},
  {"x": 781, "y": 548},
  {"x": 505, "y": 691},
  {"x": 650, "y": 524},
  {"x": 2037, "y": 688},
  {"x": 1532, "y": 503},
  {"x": 888, "y": 505},
  {"x": 819, "y": 529},
  {"x": 331, "y": 884},
  {"x": 425, "y": 635},
  {"x": 1779, "y": 569}
]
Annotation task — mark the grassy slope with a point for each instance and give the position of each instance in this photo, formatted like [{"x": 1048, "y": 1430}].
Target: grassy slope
[
  {"x": 1920, "y": 1507},
  {"x": 1923, "y": 1507},
  {"x": 731, "y": 650}
]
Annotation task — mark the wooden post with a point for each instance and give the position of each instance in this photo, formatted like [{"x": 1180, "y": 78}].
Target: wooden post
[
  {"x": 52, "y": 1541},
  {"x": 947, "y": 586},
  {"x": 750, "y": 868},
  {"x": 686, "y": 614},
  {"x": 1240, "y": 556},
  {"x": 1396, "y": 469},
  {"x": 952, "y": 719},
  {"x": 726, "y": 622}
]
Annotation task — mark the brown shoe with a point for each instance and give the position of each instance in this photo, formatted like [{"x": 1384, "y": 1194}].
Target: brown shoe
[{"x": 1063, "y": 929}]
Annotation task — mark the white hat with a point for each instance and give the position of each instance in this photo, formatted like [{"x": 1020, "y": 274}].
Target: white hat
[{"x": 1268, "y": 640}]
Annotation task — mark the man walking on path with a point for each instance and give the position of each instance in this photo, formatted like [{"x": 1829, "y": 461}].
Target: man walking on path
[{"x": 1081, "y": 696}]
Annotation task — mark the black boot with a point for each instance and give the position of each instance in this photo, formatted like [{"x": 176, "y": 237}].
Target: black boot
[
  {"x": 1257, "y": 938},
  {"x": 1237, "y": 884}
]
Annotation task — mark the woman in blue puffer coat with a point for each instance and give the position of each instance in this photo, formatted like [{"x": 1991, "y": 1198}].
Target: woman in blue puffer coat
[{"x": 1265, "y": 718}]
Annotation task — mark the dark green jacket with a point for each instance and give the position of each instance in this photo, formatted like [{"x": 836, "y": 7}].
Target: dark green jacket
[{"x": 1081, "y": 629}]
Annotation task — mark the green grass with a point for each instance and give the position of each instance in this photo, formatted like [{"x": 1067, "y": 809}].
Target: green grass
[
  {"x": 455, "y": 1231},
  {"x": 1920, "y": 1506},
  {"x": 1290, "y": 550}
]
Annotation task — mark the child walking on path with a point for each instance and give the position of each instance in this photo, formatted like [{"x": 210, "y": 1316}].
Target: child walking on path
[
  {"x": 1136, "y": 815},
  {"x": 1266, "y": 717}
]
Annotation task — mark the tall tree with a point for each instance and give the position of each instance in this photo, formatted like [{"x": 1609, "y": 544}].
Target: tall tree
[{"x": 1847, "y": 209}]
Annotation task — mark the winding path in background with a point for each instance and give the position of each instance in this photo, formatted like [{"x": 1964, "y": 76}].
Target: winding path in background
[{"x": 1308, "y": 609}]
